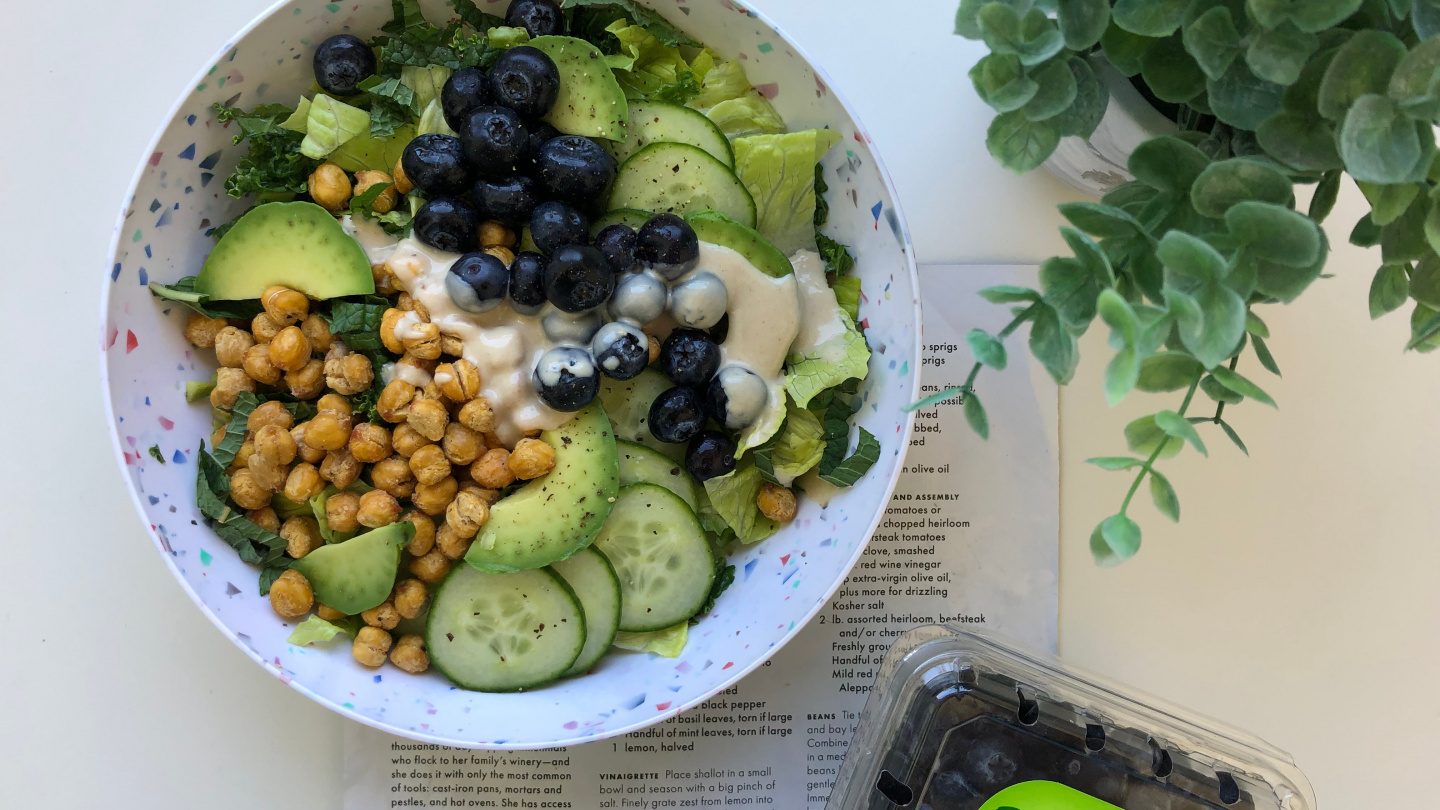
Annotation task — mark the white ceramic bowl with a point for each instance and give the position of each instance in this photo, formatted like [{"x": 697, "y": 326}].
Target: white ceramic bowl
[{"x": 780, "y": 584}]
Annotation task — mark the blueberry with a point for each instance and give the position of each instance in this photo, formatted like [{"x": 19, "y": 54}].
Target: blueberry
[
  {"x": 527, "y": 280},
  {"x": 617, "y": 243},
  {"x": 721, "y": 330},
  {"x": 689, "y": 357},
  {"x": 465, "y": 90},
  {"x": 435, "y": 164},
  {"x": 447, "y": 223},
  {"x": 621, "y": 350},
  {"x": 638, "y": 297},
  {"x": 494, "y": 139},
  {"x": 699, "y": 301},
  {"x": 668, "y": 245},
  {"x": 341, "y": 63},
  {"x": 538, "y": 17},
  {"x": 577, "y": 279},
  {"x": 554, "y": 224},
  {"x": 676, "y": 415},
  {"x": 477, "y": 281},
  {"x": 565, "y": 378},
  {"x": 574, "y": 330},
  {"x": 575, "y": 168},
  {"x": 736, "y": 396},
  {"x": 710, "y": 454},
  {"x": 510, "y": 200},
  {"x": 525, "y": 80}
]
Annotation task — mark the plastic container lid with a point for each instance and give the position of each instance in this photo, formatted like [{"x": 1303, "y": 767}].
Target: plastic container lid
[{"x": 960, "y": 722}]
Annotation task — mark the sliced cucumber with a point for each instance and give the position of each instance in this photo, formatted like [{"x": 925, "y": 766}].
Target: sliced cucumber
[
  {"x": 593, "y": 580},
  {"x": 356, "y": 575},
  {"x": 661, "y": 556},
  {"x": 622, "y": 216},
  {"x": 628, "y": 404},
  {"x": 658, "y": 122},
  {"x": 504, "y": 632},
  {"x": 645, "y": 465},
  {"x": 681, "y": 178}
]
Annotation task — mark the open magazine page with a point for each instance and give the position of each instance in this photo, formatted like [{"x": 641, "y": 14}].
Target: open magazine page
[{"x": 970, "y": 537}]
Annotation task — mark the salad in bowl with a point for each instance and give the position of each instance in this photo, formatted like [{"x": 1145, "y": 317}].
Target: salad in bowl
[{"x": 523, "y": 336}]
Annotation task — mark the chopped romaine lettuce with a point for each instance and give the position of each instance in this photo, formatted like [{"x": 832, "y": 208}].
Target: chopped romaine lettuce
[
  {"x": 668, "y": 642},
  {"x": 329, "y": 124},
  {"x": 297, "y": 119},
  {"x": 432, "y": 121},
  {"x": 750, "y": 114},
  {"x": 502, "y": 37},
  {"x": 843, "y": 357},
  {"x": 426, "y": 82},
  {"x": 779, "y": 172},
  {"x": 315, "y": 629},
  {"x": 646, "y": 68},
  {"x": 733, "y": 498},
  {"x": 366, "y": 151},
  {"x": 764, "y": 426},
  {"x": 795, "y": 450},
  {"x": 847, "y": 295}
]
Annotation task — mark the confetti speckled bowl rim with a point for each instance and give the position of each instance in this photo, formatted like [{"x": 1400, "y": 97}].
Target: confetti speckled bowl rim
[{"x": 907, "y": 249}]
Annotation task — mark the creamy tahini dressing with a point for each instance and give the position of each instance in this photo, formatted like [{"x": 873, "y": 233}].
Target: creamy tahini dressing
[{"x": 818, "y": 305}]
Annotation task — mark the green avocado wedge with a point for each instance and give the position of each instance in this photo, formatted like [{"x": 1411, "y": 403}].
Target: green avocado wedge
[
  {"x": 590, "y": 101},
  {"x": 295, "y": 244},
  {"x": 554, "y": 516},
  {"x": 718, "y": 229}
]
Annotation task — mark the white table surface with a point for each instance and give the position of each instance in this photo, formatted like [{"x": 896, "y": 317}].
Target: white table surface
[{"x": 1300, "y": 585}]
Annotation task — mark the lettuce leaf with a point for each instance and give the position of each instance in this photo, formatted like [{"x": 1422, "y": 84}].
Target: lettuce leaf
[
  {"x": 432, "y": 121},
  {"x": 729, "y": 100},
  {"x": 779, "y": 172},
  {"x": 503, "y": 37},
  {"x": 366, "y": 151},
  {"x": 795, "y": 450},
  {"x": 425, "y": 82},
  {"x": 668, "y": 642},
  {"x": 315, "y": 629},
  {"x": 764, "y": 426},
  {"x": 847, "y": 295},
  {"x": 296, "y": 121},
  {"x": 329, "y": 124},
  {"x": 843, "y": 357},
  {"x": 733, "y": 498},
  {"x": 646, "y": 68},
  {"x": 651, "y": 21}
]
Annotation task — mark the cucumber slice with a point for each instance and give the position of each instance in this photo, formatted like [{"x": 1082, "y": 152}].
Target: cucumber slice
[
  {"x": 644, "y": 465},
  {"x": 593, "y": 579},
  {"x": 621, "y": 216},
  {"x": 658, "y": 122},
  {"x": 504, "y": 632},
  {"x": 661, "y": 556},
  {"x": 681, "y": 178},
  {"x": 628, "y": 404},
  {"x": 356, "y": 575}
]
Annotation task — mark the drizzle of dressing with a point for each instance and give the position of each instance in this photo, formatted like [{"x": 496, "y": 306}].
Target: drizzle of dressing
[
  {"x": 819, "y": 321},
  {"x": 764, "y": 315}
]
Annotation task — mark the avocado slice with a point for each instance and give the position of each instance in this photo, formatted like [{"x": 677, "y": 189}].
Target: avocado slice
[
  {"x": 718, "y": 229},
  {"x": 297, "y": 244},
  {"x": 590, "y": 101},
  {"x": 356, "y": 575},
  {"x": 553, "y": 517}
]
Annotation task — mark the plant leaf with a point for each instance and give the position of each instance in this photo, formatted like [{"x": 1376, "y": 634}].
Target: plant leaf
[
  {"x": 1168, "y": 371},
  {"x": 1241, "y": 385},
  {"x": 1020, "y": 144},
  {"x": 1091, "y": 99},
  {"x": 1090, "y": 256},
  {"x": 1056, "y": 91},
  {"x": 1211, "y": 39},
  {"x": 975, "y": 416},
  {"x": 1171, "y": 73},
  {"x": 1124, "y": 50},
  {"x": 1124, "y": 369},
  {"x": 1378, "y": 143},
  {"x": 1227, "y": 182},
  {"x": 987, "y": 349},
  {"x": 1001, "y": 83},
  {"x": 1300, "y": 141},
  {"x": 1164, "y": 496},
  {"x": 1218, "y": 392},
  {"x": 1387, "y": 203},
  {"x": 1191, "y": 256},
  {"x": 1234, "y": 437},
  {"x": 1425, "y": 282},
  {"x": 1389, "y": 290},
  {"x": 1365, "y": 233},
  {"x": 967, "y": 18},
  {"x": 1362, "y": 66},
  {"x": 1143, "y": 436},
  {"x": 1415, "y": 84},
  {"x": 1404, "y": 239},
  {"x": 1103, "y": 221},
  {"x": 1178, "y": 426},
  {"x": 1242, "y": 99},
  {"x": 1115, "y": 540},
  {"x": 1168, "y": 163},
  {"x": 1082, "y": 22},
  {"x": 1275, "y": 233},
  {"x": 1279, "y": 54},
  {"x": 1052, "y": 344},
  {"x": 1009, "y": 294},
  {"x": 1070, "y": 289},
  {"x": 1262, "y": 352},
  {"x": 1115, "y": 463},
  {"x": 1315, "y": 16},
  {"x": 1425, "y": 14},
  {"x": 1424, "y": 329},
  {"x": 1150, "y": 18}
]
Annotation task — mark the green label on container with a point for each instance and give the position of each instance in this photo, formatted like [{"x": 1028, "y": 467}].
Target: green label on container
[{"x": 1041, "y": 795}]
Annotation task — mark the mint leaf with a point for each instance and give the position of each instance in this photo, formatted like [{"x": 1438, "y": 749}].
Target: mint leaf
[
  {"x": 235, "y": 429},
  {"x": 849, "y": 470}
]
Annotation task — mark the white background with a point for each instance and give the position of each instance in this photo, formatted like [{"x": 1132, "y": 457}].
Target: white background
[{"x": 1298, "y": 598}]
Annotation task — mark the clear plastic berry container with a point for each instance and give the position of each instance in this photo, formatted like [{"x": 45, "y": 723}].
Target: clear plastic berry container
[{"x": 957, "y": 721}]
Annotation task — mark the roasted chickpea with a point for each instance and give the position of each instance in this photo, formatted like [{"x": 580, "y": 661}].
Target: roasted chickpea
[
  {"x": 461, "y": 444},
  {"x": 424, "y": 537},
  {"x": 229, "y": 384},
  {"x": 308, "y": 454},
  {"x": 371, "y": 645},
  {"x": 383, "y": 616},
  {"x": 350, "y": 374},
  {"x": 201, "y": 331},
  {"x": 265, "y": 518},
  {"x": 496, "y": 234},
  {"x": 393, "y": 404},
  {"x": 275, "y": 444},
  {"x": 230, "y": 345},
  {"x": 402, "y": 181},
  {"x": 477, "y": 415},
  {"x": 431, "y": 391},
  {"x": 285, "y": 305},
  {"x": 393, "y": 476},
  {"x": 267, "y": 473},
  {"x": 406, "y": 440},
  {"x": 290, "y": 349},
  {"x": 450, "y": 543},
  {"x": 242, "y": 456},
  {"x": 489, "y": 496},
  {"x": 466, "y": 514},
  {"x": 342, "y": 510},
  {"x": 429, "y": 418},
  {"x": 290, "y": 594},
  {"x": 308, "y": 382},
  {"x": 405, "y": 302},
  {"x": 385, "y": 202},
  {"x": 433, "y": 498},
  {"x": 492, "y": 470},
  {"x": 459, "y": 381},
  {"x": 337, "y": 406},
  {"x": 388, "y": 322},
  {"x": 326, "y": 432},
  {"x": 776, "y": 502},
  {"x": 531, "y": 458},
  {"x": 245, "y": 492},
  {"x": 429, "y": 465},
  {"x": 272, "y": 412},
  {"x": 369, "y": 442},
  {"x": 431, "y": 568},
  {"x": 329, "y": 187},
  {"x": 422, "y": 340},
  {"x": 409, "y": 598},
  {"x": 264, "y": 327},
  {"x": 504, "y": 254},
  {"x": 653, "y": 347},
  {"x": 451, "y": 346},
  {"x": 317, "y": 331},
  {"x": 303, "y": 482},
  {"x": 302, "y": 536},
  {"x": 385, "y": 281},
  {"x": 328, "y": 613},
  {"x": 256, "y": 363},
  {"x": 378, "y": 508},
  {"x": 340, "y": 468},
  {"x": 409, "y": 655}
]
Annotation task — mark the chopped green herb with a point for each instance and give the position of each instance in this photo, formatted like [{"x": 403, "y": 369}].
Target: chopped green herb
[
  {"x": 657, "y": 25},
  {"x": 183, "y": 292},
  {"x": 724, "y": 578},
  {"x": 274, "y": 165},
  {"x": 196, "y": 390},
  {"x": 236, "y": 428},
  {"x": 838, "y": 261},
  {"x": 156, "y": 454}
]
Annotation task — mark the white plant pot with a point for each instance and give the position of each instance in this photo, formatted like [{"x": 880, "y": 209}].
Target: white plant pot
[{"x": 1097, "y": 164}]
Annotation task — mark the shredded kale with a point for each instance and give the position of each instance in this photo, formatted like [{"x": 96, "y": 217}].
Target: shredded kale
[
  {"x": 838, "y": 261},
  {"x": 471, "y": 15},
  {"x": 724, "y": 578},
  {"x": 822, "y": 207},
  {"x": 410, "y": 40},
  {"x": 156, "y": 454},
  {"x": 587, "y": 12},
  {"x": 183, "y": 292},
  {"x": 274, "y": 165}
]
